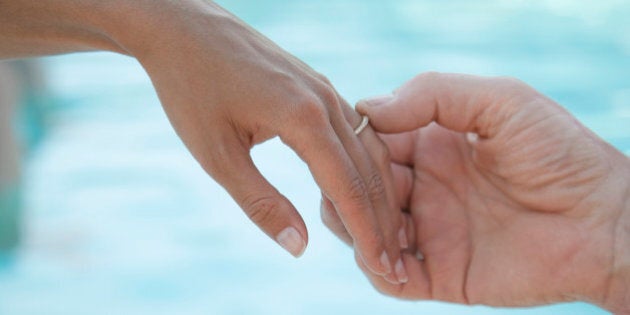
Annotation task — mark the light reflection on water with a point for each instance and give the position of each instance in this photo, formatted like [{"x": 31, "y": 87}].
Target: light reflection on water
[{"x": 121, "y": 220}]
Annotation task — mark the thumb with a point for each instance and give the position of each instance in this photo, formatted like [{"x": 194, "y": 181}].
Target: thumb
[{"x": 455, "y": 101}]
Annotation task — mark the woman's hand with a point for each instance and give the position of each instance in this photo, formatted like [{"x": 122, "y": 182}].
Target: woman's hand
[
  {"x": 514, "y": 202},
  {"x": 226, "y": 88}
]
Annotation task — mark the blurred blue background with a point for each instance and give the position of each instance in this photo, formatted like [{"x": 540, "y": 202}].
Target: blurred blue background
[{"x": 118, "y": 218}]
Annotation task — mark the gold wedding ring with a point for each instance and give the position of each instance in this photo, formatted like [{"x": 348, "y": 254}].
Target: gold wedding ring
[{"x": 362, "y": 126}]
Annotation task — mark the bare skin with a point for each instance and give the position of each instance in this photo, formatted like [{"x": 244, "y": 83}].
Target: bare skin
[
  {"x": 226, "y": 88},
  {"x": 515, "y": 202}
]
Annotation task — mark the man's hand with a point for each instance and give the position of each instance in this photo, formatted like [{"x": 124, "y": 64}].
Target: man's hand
[{"x": 514, "y": 202}]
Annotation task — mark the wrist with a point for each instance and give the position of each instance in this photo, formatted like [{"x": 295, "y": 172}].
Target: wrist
[
  {"x": 617, "y": 298},
  {"x": 143, "y": 29}
]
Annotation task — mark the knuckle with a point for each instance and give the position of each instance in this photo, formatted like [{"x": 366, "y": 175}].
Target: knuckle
[
  {"x": 215, "y": 162},
  {"x": 262, "y": 210},
  {"x": 516, "y": 86},
  {"x": 357, "y": 190},
  {"x": 428, "y": 80},
  {"x": 375, "y": 186},
  {"x": 510, "y": 81},
  {"x": 428, "y": 77},
  {"x": 320, "y": 76},
  {"x": 283, "y": 78},
  {"x": 519, "y": 94},
  {"x": 329, "y": 97},
  {"x": 311, "y": 112}
]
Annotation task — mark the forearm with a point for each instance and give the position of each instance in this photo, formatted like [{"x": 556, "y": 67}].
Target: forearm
[
  {"x": 46, "y": 27},
  {"x": 137, "y": 28}
]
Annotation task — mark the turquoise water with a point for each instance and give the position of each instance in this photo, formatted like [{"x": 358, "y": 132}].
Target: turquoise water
[{"x": 121, "y": 220}]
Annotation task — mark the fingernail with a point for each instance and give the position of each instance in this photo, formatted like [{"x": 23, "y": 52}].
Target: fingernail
[
  {"x": 291, "y": 240},
  {"x": 377, "y": 100},
  {"x": 385, "y": 263},
  {"x": 402, "y": 238},
  {"x": 401, "y": 273}
]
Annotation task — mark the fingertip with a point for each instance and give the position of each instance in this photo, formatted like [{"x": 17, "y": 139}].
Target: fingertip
[
  {"x": 365, "y": 105},
  {"x": 383, "y": 113},
  {"x": 277, "y": 217},
  {"x": 386, "y": 265},
  {"x": 292, "y": 241},
  {"x": 402, "y": 237},
  {"x": 387, "y": 284},
  {"x": 401, "y": 272},
  {"x": 378, "y": 264}
]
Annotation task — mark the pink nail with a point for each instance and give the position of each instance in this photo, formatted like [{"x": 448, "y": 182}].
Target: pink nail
[
  {"x": 402, "y": 238},
  {"x": 401, "y": 273},
  {"x": 291, "y": 240},
  {"x": 385, "y": 263}
]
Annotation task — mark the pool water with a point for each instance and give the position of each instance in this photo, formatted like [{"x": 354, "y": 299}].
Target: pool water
[{"x": 121, "y": 220}]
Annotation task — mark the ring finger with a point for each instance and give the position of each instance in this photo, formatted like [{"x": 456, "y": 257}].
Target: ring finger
[{"x": 371, "y": 158}]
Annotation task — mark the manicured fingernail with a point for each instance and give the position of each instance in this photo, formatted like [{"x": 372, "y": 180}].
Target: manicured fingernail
[
  {"x": 291, "y": 240},
  {"x": 402, "y": 238},
  {"x": 401, "y": 273},
  {"x": 377, "y": 100},
  {"x": 385, "y": 263}
]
